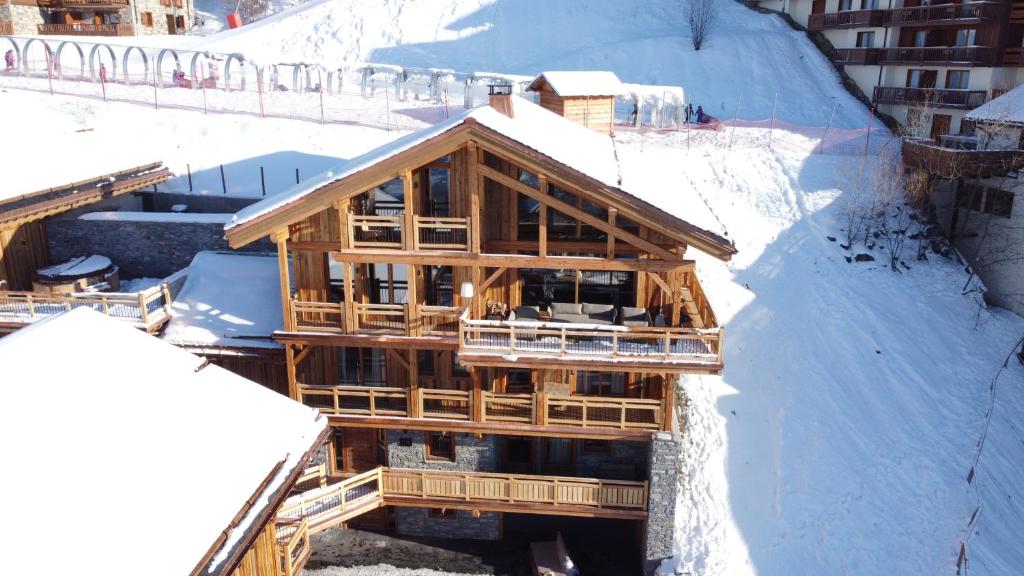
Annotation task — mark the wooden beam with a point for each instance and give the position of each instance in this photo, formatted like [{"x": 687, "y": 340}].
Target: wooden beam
[
  {"x": 661, "y": 283},
  {"x": 490, "y": 279},
  {"x": 590, "y": 364},
  {"x": 344, "y": 230},
  {"x": 498, "y": 506},
  {"x": 280, "y": 238},
  {"x": 302, "y": 354},
  {"x": 438, "y": 257},
  {"x": 574, "y": 212},
  {"x": 475, "y": 217},
  {"x": 394, "y": 355},
  {"x": 368, "y": 340},
  {"x": 350, "y": 299},
  {"x": 408, "y": 226},
  {"x": 499, "y": 428},
  {"x": 612, "y": 213},
  {"x": 289, "y": 366},
  {"x": 542, "y": 230}
]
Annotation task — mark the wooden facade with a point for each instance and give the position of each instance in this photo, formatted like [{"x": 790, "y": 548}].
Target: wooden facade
[
  {"x": 595, "y": 111},
  {"x": 429, "y": 291}
]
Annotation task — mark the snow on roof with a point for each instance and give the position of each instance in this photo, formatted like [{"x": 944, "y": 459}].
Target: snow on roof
[
  {"x": 165, "y": 449},
  {"x": 77, "y": 266},
  {"x": 1006, "y": 109},
  {"x": 167, "y": 217},
  {"x": 566, "y": 142},
  {"x": 228, "y": 299},
  {"x": 592, "y": 83}
]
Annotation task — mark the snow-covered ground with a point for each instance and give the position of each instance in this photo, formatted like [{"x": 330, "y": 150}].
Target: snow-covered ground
[{"x": 839, "y": 439}]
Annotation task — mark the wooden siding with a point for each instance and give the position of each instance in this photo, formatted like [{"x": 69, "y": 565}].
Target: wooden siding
[
  {"x": 23, "y": 250},
  {"x": 596, "y": 113},
  {"x": 268, "y": 371},
  {"x": 262, "y": 558}
]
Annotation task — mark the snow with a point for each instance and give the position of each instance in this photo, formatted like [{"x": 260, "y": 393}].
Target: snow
[
  {"x": 165, "y": 217},
  {"x": 1006, "y": 109},
  {"x": 228, "y": 299},
  {"x": 586, "y": 83},
  {"x": 160, "y": 468},
  {"x": 75, "y": 267},
  {"x": 379, "y": 569},
  {"x": 136, "y": 285}
]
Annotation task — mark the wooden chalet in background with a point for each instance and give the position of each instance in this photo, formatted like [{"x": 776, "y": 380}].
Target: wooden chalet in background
[
  {"x": 587, "y": 98},
  {"x": 487, "y": 285}
]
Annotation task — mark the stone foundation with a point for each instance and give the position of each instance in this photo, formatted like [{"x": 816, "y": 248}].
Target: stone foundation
[
  {"x": 418, "y": 522},
  {"x": 659, "y": 532}
]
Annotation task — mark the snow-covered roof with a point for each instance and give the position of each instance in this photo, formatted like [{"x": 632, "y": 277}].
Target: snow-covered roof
[
  {"x": 570, "y": 144},
  {"x": 162, "y": 450},
  {"x": 574, "y": 83},
  {"x": 228, "y": 299},
  {"x": 1006, "y": 109}
]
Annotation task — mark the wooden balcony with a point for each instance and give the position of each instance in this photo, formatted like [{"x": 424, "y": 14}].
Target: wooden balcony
[
  {"x": 83, "y": 4},
  {"x": 845, "y": 19},
  {"x": 536, "y": 409},
  {"x": 1013, "y": 57},
  {"x": 499, "y": 343},
  {"x": 939, "y": 56},
  {"x": 953, "y": 163},
  {"x": 966, "y": 13},
  {"x": 86, "y": 29},
  {"x": 856, "y": 56},
  {"x": 386, "y": 319},
  {"x": 145, "y": 310},
  {"x": 931, "y": 97},
  {"x": 429, "y": 233},
  {"x": 324, "y": 508}
]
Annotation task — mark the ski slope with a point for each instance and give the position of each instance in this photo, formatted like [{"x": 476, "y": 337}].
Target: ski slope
[{"x": 748, "y": 60}]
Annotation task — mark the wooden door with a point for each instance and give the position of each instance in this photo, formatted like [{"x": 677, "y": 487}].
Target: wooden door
[
  {"x": 171, "y": 27},
  {"x": 940, "y": 125},
  {"x": 818, "y": 7}
]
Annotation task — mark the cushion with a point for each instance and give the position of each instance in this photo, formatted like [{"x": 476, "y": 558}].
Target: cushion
[
  {"x": 527, "y": 313},
  {"x": 589, "y": 309},
  {"x": 635, "y": 316},
  {"x": 558, "y": 308}
]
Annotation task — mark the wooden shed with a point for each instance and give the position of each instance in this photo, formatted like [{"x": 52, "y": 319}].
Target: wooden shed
[{"x": 587, "y": 98}]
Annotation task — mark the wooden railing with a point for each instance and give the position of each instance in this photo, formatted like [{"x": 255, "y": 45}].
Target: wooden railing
[
  {"x": 856, "y": 56},
  {"x": 939, "y": 98},
  {"x": 86, "y": 29},
  {"x": 504, "y": 489},
  {"x": 537, "y": 409},
  {"x": 952, "y": 163},
  {"x": 589, "y": 341},
  {"x": 293, "y": 550},
  {"x": 941, "y": 13},
  {"x": 845, "y": 19},
  {"x": 78, "y": 4},
  {"x": 375, "y": 318},
  {"x": 1013, "y": 57},
  {"x": 146, "y": 310},
  {"x": 952, "y": 55},
  {"x": 428, "y": 232},
  {"x": 691, "y": 284},
  {"x": 327, "y": 507},
  {"x": 437, "y": 233}
]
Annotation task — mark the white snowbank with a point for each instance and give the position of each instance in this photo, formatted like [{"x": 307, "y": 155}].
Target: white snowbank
[
  {"x": 1006, "y": 109},
  {"x": 228, "y": 299},
  {"x": 152, "y": 435},
  {"x": 77, "y": 266}
]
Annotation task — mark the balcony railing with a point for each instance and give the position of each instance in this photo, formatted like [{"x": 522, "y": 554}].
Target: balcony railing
[
  {"x": 429, "y": 232},
  {"x": 953, "y": 163},
  {"x": 146, "y": 310},
  {"x": 934, "y": 97},
  {"x": 80, "y": 4},
  {"x": 538, "y": 409},
  {"x": 856, "y": 56},
  {"x": 86, "y": 29},
  {"x": 845, "y": 19},
  {"x": 6, "y": 28},
  {"x": 375, "y": 318},
  {"x": 293, "y": 548},
  {"x": 1013, "y": 57},
  {"x": 966, "y": 13},
  {"x": 582, "y": 342},
  {"x": 942, "y": 55}
]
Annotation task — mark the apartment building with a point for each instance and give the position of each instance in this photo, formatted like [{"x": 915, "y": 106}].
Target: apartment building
[
  {"x": 96, "y": 17},
  {"x": 924, "y": 63}
]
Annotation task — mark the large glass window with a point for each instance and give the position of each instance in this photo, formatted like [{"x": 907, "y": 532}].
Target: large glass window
[
  {"x": 542, "y": 287},
  {"x": 958, "y": 79},
  {"x": 362, "y": 366},
  {"x": 865, "y": 40},
  {"x": 439, "y": 192},
  {"x": 601, "y": 383}
]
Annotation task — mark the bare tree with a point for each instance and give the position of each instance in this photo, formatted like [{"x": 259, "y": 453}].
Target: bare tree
[{"x": 702, "y": 16}]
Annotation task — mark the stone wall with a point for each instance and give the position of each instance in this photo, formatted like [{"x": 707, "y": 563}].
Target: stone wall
[
  {"x": 623, "y": 461},
  {"x": 471, "y": 454},
  {"x": 159, "y": 10},
  {"x": 24, "y": 19},
  {"x": 417, "y": 522},
  {"x": 666, "y": 461}
]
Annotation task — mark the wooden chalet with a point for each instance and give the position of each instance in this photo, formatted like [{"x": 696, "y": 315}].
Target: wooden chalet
[
  {"x": 487, "y": 284},
  {"x": 587, "y": 98}
]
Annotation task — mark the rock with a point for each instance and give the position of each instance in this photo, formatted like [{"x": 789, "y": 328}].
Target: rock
[
  {"x": 831, "y": 238},
  {"x": 864, "y": 258}
]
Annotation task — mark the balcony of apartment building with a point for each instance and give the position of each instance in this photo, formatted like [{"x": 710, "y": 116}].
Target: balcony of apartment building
[
  {"x": 922, "y": 90},
  {"x": 373, "y": 387},
  {"x": 961, "y": 156},
  {"x": 869, "y": 15},
  {"x": 942, "y": 47},
  {"x": 85, "y": 18}
]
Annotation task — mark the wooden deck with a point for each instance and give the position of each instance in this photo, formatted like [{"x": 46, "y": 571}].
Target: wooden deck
[
  {"x": 381, "y": 319},
  {"x": 537, "y": 409},
  {"x": 147, "y": 310},
  {"x": 429, "y": 233}
]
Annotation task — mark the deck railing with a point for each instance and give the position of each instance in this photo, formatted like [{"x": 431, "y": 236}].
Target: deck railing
[
  {"x": 504, "y": 489},
  {"x": 375, "y": 318},
  {"x": 428, "y": 232},
  {"x": 845, "y": 19},
  {"x": 941, "y": 13},
  {"x": 86, "y": 29},
  {"x": 590, "y": 341},
  {"x": 940, "y": 98},
  {"x": 953, "y": 163},
  {"x": 329, "y": 506},
  {"x": 947, "y": 55},
  {"x": 293, "y": 550},
  {"x": 537, "y": 409},
  {"x": 146, "y": 310}
]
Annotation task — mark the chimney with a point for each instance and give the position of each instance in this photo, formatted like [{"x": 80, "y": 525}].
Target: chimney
[{"x": 501, "y": 98}]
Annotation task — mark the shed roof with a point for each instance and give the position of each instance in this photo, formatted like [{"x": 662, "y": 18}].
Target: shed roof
[
  {"x": 162, "y": 451},
  {"x": 574, "y": 83},
  {"x": 1005, "y": 109}
]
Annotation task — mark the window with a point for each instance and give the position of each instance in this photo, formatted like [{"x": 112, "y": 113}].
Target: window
[
  {"x": 147, "y": 19},
  {"x": 601, "y": 383},
  {"x": 362, "y": 366},
  {"x": 440, "y": 446},
  {"x": 958, "y": 79},
  {"x": 845, "y": 5},
  {"x": 868, "y": 4},
  {"x": 165, "y": 3},
  {"x": 865, "y": 40},
  {"x": 921, "y": 78},
  {"x": 591, "y": 446},
  {"x": 180, "y": 4},
  {"x": 442, "y": 513},
  {"x": 999, "y": 202},
  {"x": 179, "y": 22},
  {"x": 425, "y": 362},
  {"x": 439, "y": 188},
  {"x": 338, "y": 448},
  {"x": 966, "y": 37},
  {"x": 920, "y": 39}
]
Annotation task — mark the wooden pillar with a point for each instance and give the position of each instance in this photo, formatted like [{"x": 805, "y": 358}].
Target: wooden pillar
[
  {"x": 542, "y": 231},
  {"x": 281, "y": 239},
  {"x": 475, "y": 192},
  {"x": 344, "y": 233},
  {"x": 414, "y": 327},
  {"x": 408, "y": 224},
  {"x": 414, "y": 385},
  {"x": 612, "y": 214},
  {"x": 350, "y": 299},
  {"x": 289, "y": 363},
  {"x": 668, "y": 399},
  {"x": 478, "y": 395}
]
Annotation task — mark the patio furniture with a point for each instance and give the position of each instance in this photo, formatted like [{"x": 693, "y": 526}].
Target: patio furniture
[
  {"x": 584, "y": 313},
  {"x": 630, "y": 316},
  {"x": 525, "y": 314}
]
